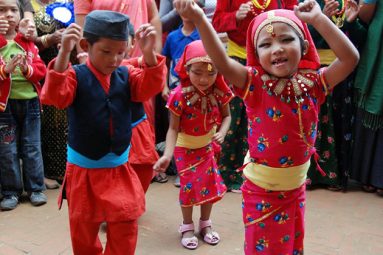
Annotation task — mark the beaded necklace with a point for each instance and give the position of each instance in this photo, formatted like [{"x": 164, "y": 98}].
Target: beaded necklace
[
  {"x": 295, "y": 88},
  {"x": 260, "y": 6},
  {"x": 340, "y": 15}
]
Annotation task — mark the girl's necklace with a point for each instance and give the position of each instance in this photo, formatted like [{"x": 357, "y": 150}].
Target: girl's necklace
[
  {"x": 340, "y": 15},
  {"x": 259, "y": 6}
]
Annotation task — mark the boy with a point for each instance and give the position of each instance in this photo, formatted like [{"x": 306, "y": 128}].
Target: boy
[
  {"x": 21, "y": 69},
  {"x": 100, "y": 184}
]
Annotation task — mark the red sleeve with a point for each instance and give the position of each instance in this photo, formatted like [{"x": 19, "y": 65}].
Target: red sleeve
[
  {"x": 59, "y": 88},
  {"x": 176, "y": 101},
  {"x": 36, "y": 67},
  {"x": 82, "y": 6},
  {"x": 146, "y": 82},
  {"x": 224, "y": 20}
]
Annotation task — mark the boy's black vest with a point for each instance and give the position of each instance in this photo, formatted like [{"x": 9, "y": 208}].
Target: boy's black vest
[{"x": 92, "y": 112}]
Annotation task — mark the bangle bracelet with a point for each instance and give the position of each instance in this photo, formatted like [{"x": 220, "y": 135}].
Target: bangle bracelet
[
  {"x": 82, "y": 54},
  {"x": 44, "y": 41}
]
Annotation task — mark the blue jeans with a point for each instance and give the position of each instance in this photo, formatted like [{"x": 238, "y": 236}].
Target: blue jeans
[{"x": 20, "y": 140}]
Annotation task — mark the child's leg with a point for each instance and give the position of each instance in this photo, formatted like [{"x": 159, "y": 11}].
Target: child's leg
[
  {"x": 11, "y": 183},
  {"x": 206, "y": 211},
  {"x": 121, "y": 238},
  {"x": 30, "y": 147},
  {"x": 188, "y": 240},
  {"x": 84, "y": 236},
  {"x": 205, "y": 224},
  {"x": 187, "y": 216}
]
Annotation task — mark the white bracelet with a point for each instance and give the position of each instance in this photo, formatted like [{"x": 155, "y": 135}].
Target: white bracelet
[{"x": 82, "y": 54}]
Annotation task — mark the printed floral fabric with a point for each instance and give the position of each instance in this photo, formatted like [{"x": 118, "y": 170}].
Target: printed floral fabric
[
  {"x": 274, "y": 220},
  {"x": 200, "y": 178},
  {"x": 199, "y": 111},
  {"x": 235, "y": 147},
  {"x": 336, "y": 122},
  {"x": 283, "y": 116}
]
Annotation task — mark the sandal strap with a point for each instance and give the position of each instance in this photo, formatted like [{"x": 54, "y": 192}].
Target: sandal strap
[
  {"x": 204, "y": 224},
  {"x": 186, "y": 227}
]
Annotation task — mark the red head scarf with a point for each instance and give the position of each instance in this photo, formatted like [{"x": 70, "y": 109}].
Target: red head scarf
[
  {"x": 309, "y": 61},
  {"x": 194, "y": 52}
]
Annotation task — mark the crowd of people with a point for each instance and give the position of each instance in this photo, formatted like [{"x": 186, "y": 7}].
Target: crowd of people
[{"x": 266, "y": 99}]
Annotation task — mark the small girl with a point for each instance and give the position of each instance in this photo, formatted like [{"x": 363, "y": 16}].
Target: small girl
[
  {"x": 283, "y": 89},
  {"x": 197, "y": 107}
]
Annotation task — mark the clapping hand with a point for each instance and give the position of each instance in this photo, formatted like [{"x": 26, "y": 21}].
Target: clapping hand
[
  {"x": 17, "y": 60},
  {"x": 243, "y": 10},
  {"x": 352, "y": 11},
  {"x": 27, "y": 28}
]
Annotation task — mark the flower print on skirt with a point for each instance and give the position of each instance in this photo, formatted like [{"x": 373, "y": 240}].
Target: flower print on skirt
[{"x": 200, "y": 179}]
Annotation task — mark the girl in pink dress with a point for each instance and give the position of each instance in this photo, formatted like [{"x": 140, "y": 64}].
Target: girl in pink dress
[
  {"x": 282, "y": 88},
  {"x": 199, "y": 117}
]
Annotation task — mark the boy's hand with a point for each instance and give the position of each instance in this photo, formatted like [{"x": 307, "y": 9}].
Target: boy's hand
[
  {"x": 27, "y": 28},
  {"x": 4, "y": 26},
  {"x": 162, "y": 164},
  {"x": 70, "y": 37},
  {"x": 188, "y": 9},
  {"x": 243, "y": 10},
  {"x": 219, "y": 137},
  {"x": 308, "y": 11},
  {"x": 13, "y": 63},
  {"x": 146, "y": 38},
  {"x": 352, "y": 11}
]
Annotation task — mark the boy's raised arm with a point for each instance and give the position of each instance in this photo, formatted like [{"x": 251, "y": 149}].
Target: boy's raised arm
[
  {"x": 234, "y": 72},
  {"x": 70, "y": 37}
]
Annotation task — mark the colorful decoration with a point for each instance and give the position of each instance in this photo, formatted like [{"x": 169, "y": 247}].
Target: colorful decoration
[{"x": 62, "y": 12}]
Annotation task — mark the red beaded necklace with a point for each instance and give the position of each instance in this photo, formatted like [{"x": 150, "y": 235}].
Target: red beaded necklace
[{"x": 259, "y": 6}]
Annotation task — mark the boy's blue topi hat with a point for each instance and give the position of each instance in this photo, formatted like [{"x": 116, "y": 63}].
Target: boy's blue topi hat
[{"x": 108, "y": 24}]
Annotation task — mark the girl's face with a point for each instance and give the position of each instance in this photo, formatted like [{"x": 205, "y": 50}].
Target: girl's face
[
  {"x": 202, "y": 75},
  {"x": 9, "y": 11},
  {"x": 279, "y": 52}
]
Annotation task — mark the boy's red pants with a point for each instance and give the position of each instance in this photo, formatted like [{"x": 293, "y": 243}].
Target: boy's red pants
[{"x": 121, "y": 236}]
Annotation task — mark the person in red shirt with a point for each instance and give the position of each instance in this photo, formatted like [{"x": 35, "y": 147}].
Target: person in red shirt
[
  {"x": 234, "y": 17},
  {"x": 99, "y": 184},
  {"x": 282, "y": 87}
]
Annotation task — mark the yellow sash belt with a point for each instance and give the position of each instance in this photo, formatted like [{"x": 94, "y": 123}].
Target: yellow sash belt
[
  {"x": 195, "y": 142},
  {"x": 234, "y": 50},
  {"x": 327, "y": 56},
  {"x": 273, "y": 178}
]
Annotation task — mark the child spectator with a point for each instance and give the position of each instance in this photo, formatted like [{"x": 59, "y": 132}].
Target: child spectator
[
  {"x": 283, "y": 88},
  {"x": 173, "y": 49},
  {"x": 99, "y": 184},
  {"x": 198, "y": 107},
  {"x": 21, "y": 69}
]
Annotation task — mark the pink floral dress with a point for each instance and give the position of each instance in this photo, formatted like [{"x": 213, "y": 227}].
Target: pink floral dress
[
  {"x": 283, "y": 118},
  {"x": 199, "y": 113}
]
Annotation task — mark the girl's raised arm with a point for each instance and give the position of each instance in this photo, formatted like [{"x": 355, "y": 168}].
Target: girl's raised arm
[
  {"x": 347, "y": 55},
  {"x": 234, "y": 72}
]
